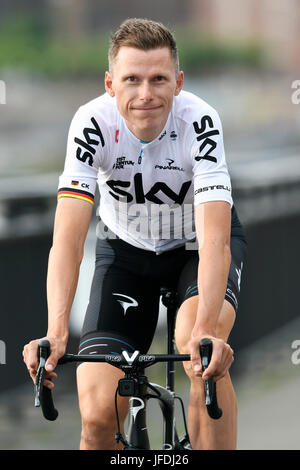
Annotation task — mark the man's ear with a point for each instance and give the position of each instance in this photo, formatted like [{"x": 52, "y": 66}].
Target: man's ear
[
  {"x": 179, "y": 83},
  {"x": 108, "y": 81}
]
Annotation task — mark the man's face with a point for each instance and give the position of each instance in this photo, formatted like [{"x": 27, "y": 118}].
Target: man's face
[{"x": 144, "y": 84}]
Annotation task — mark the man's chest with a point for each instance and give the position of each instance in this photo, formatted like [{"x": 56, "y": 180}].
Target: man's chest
[{"x": 160, "y": 174}]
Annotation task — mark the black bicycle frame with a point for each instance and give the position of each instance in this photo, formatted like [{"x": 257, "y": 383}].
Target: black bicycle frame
[{"x": 137, "y": 430}]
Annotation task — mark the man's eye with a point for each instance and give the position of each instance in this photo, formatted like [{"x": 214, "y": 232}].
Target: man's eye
[
  {"x": 131, "y": 79},
  {"x": 159, "y": 78}
]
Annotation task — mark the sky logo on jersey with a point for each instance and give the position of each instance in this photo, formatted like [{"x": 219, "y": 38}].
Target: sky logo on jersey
[
  {"x": 118, "y": 191},
  {"x": 89, "y": 143},
  {"x": 205, "y": 137}
]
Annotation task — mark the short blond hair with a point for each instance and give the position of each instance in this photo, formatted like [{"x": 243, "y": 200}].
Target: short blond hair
[{"x": 142, "y": 34}]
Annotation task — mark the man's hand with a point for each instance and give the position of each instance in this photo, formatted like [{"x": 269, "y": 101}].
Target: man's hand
[
  {"x": 221, "y": 360},
  {"x": 30, "y": 356}
]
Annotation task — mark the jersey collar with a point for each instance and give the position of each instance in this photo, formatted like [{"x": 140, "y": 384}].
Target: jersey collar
[{"x": 156, "y": 141}]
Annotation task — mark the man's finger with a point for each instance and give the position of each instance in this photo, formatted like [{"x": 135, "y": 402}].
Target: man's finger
[
  {"x": 197, "y": 369},
  {"x": 227, "y": 360},
  {"x": 32, "y": 373},
  {"x": 48, "y": 380},
  {"x": 196, "y": 359},
  {"x": 31, "y": 355},
  {"x": 51, "y": 363},
  {"x": 215, "y": 362}
]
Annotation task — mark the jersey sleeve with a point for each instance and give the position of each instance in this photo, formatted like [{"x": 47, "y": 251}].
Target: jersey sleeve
[
  {"x": 211, "y": 177},
  {"x": 84, "y": 147}
]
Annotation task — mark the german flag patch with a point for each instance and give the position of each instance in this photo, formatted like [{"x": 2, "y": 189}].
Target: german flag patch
[{"x": 75, "y": 193}]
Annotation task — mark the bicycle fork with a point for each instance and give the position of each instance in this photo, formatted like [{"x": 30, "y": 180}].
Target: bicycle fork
[
  {"x": 137, "y": 430},
  {"x": 137, "y": 436}
]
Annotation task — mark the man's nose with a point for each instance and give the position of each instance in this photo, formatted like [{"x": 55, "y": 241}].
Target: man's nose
[{"x": 146, "y": 91}]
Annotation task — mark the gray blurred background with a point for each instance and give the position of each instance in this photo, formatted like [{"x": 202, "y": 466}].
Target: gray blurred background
[{"x": 241, "y": 57}]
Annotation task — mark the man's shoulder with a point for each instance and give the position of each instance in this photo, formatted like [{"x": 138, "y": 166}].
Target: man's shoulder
[
  {"x": 188, "y": 106},
  {"x": 102, "y": 107},
  {"x": 103, "y": 103}
]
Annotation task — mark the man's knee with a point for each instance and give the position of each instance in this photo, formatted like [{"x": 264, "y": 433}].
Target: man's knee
[
  {"x": 96, "y": 413},
  {"x": 97, "y": 421},
  {"x": 96, "y": 393},
  {"x": 225, "y": 321},
  {"x": 186, "y": 319},
  {"x": 185, "y": 323},
  {"x": 98, "y": 418}
]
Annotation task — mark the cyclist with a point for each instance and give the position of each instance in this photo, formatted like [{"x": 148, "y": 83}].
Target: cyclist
[{"x": 157, "y": 154}]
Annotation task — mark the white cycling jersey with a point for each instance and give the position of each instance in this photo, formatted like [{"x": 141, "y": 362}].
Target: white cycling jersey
[{"x": 147, "y": 190}]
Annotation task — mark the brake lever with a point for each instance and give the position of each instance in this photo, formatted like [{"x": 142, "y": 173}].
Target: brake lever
[
  {"x": 43, "y": 395},
  {"x": 43, "y": 354},
  {"x": 210, "y": 391}
]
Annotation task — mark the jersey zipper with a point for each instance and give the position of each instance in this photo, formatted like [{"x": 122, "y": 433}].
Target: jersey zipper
[
  {"x": 142, "y": 151},
  {"x": 140, "y": 156}
]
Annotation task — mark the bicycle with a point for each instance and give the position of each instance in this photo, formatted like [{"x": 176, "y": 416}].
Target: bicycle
[{"x": 135, "y": 385}]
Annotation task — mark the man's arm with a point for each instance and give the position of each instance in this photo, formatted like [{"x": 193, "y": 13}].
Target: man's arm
[
  {"x": 72, "y": 221},
  {"x": 213, "y": 223}
]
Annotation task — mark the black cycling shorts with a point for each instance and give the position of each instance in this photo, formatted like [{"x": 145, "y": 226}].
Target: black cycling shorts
[{"x": 123, "y": 307}]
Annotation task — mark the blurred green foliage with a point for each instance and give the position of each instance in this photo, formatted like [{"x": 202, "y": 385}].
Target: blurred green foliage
[{"x": 27, "y": 42}]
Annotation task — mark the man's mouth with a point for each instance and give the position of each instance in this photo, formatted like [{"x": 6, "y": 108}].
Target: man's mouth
[{"x": 146, "y": 108}]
